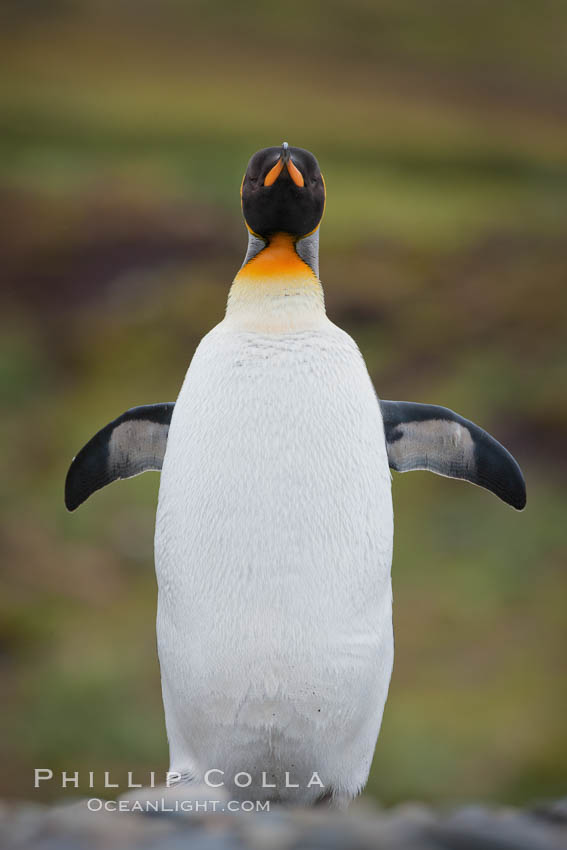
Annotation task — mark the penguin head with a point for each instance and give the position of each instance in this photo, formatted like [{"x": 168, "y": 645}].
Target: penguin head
[{"x": 283, "y": 192}]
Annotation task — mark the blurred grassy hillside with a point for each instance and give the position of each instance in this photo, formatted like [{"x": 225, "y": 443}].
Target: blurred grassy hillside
[{"x": 441, "y": 129}]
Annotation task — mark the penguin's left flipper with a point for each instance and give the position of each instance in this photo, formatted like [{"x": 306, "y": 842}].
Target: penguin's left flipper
[
  {"x": 426, "y": 436},
  {"x": 127, "y": 446}
]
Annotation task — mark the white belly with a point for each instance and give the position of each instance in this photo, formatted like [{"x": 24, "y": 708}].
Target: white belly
[{"x": 273, "y": 553}]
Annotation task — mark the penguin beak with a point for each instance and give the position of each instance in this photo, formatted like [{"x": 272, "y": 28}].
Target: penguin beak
[
  {"x": 295, "y": 173},
  {"x": 284, "y": 160},
  {"x": 274, "y": 173}
]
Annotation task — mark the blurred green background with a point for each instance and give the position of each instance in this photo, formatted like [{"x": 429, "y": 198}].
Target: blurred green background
[{"x": 441, "y": 129}]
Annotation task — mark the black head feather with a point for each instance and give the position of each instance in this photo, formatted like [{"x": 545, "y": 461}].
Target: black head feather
[{"x": 283, "y": 206}]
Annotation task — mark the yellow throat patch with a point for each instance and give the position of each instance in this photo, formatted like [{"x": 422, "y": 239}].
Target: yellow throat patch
[{"x": 278, "y": 263}]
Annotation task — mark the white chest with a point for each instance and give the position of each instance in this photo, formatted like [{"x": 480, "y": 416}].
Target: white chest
[{"x": 273, "y": 538}]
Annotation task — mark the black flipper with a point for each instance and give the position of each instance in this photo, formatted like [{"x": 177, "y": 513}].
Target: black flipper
[
  {"x": 131, "y": 444},
  {"x": 426, "y": 436}
]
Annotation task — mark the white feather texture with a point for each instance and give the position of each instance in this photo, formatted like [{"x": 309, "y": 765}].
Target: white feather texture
[{"x": 273, "y": 552}]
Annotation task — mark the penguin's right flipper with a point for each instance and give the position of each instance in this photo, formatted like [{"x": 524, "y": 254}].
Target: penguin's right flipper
[
  {"x": 131, "y": 444},
  {"x": 426, "y": 436}
]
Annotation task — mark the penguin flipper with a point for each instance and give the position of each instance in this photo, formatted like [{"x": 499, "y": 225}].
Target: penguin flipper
[
  {"x": 127, "y": 446},
  {"x": 426, "y": 436}
]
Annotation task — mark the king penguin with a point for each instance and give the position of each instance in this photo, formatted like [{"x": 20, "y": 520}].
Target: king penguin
[{"x": 274, "y": 529}]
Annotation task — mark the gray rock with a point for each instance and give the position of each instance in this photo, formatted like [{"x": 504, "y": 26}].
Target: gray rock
[{"x": 412, "y": 826}]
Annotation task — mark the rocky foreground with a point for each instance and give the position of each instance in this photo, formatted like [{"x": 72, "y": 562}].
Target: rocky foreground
[{"x": 363, "y": 827}]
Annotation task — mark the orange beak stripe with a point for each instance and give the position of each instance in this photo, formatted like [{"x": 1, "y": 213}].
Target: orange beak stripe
[
  {"x": 276, "y": 170},
  {"x": 295, "y": 174},
  {"x": 273, "y": 173}
]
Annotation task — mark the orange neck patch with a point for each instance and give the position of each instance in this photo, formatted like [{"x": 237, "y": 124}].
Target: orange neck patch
[{"x": 277, "y": 261}]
